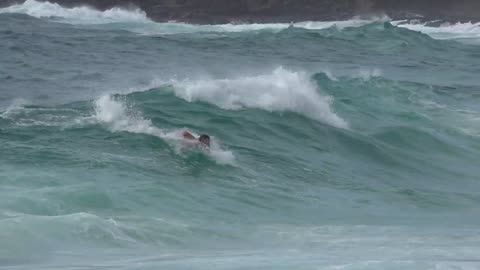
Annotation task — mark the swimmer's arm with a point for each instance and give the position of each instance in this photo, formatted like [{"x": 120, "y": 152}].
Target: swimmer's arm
[{"x": 187, "y": 135}]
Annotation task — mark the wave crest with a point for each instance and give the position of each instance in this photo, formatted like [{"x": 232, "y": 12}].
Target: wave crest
[
  {"x": 459, "y": 31},
  {"x": 80, "y": 15},
  {"x": 282, "y": 90}
]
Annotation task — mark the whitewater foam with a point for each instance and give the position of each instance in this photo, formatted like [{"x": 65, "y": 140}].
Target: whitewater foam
[
  {"x": 120, "y": 117},
  {"x": 462, "y": 31},
  {"x": 368, "y": 73},
  {"x": 281, "y": 91},
  {"x": 88, "y": 15},
  {"x": 184, "y": 28},
  {"x": 25, "y": 116},
  {"x": 354, "y": 22},
  {"x": 137, "y": 21},
  {"x": 77, "y": 15},
  {"x": 14, "y": 107}
]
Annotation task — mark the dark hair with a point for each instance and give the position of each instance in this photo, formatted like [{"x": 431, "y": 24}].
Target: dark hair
[
  {"x": 204, "y": 136},
  {"x": 205, "y": 139}
]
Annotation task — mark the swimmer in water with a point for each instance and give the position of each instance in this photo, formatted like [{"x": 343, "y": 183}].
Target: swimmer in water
[{"x": 203, "y": 140}]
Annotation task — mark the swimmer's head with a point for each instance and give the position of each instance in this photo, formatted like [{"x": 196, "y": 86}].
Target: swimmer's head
[{"x": 205, "y": 139}]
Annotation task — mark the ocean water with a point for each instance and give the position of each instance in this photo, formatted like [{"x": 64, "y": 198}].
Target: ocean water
[{"x": 336, "y": 145}]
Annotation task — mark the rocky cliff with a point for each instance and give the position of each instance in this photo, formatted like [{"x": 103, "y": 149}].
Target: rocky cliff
[{"x": 221, "y": 11}]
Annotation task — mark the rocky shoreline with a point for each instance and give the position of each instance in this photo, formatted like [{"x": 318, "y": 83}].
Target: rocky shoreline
[{"x": 262, "y": 11}]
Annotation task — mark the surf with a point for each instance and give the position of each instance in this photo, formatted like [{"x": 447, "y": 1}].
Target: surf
[
  {"x": 136, "y": 20},
  {"x": 77, "y": 15}
]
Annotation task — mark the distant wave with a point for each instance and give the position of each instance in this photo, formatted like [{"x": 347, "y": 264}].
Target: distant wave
[
  {"x": 76, "y": 15},
  {"x": 137, "y": 21},
  {"x": 465, "y": 31},
  {"x": 174, "y": 27},
  {"x": 88, "y": 15}
]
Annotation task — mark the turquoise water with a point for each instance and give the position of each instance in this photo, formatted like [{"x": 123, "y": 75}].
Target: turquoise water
[{"x": 336, "y": 145}]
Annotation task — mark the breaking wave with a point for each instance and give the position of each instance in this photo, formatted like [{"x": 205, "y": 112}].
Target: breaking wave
[
  {"x": 281, "y": 91},
  {"x": 76, "y": 15}
]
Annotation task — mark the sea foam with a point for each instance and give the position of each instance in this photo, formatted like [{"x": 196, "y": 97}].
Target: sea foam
[
  {"x": 89, "y": 15},
  {"x": 282, "y": 91},
  {"x": 120, "y": 117},
  {"x": 136, "y": 20},
  {"x": 463, "y": 31},
  {"x": 76, "y": 15}
]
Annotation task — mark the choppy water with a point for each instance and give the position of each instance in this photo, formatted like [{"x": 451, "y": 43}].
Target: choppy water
[{"x": 336, "y": 145}]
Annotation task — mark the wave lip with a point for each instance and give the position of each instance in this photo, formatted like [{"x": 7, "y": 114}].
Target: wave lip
[
  {"x": 80, "y": 15},
  {"x": 281, "y": 91},
  {"x": 462, "y": 31}
]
